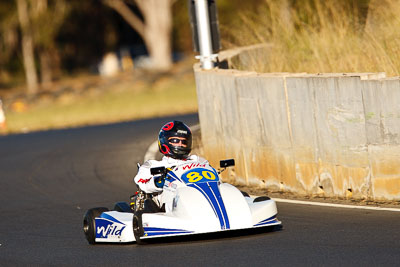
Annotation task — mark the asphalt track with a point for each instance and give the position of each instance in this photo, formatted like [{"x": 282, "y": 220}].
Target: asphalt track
[{"x": 49, "y": 179}]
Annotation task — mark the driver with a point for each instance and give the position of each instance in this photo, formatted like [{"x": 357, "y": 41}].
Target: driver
[{"x": 175, "y": 142}]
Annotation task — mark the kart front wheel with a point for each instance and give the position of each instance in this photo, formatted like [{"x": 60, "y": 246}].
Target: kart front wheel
[
  {"x": 89, "y": 223},
  {"x": 138, "y": 228}
]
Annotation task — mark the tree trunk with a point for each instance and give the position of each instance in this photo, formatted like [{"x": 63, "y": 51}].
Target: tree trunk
[
  {"x": 155, "y": 30},
  {"x": 27, "y": 47},
  {"x": 40, "y": 8},
  {"x": 46, "y": 74},
  {"x": 158, "y": 26}
]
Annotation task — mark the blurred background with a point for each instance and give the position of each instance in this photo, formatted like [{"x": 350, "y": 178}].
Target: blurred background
[
  {"x": 66, "y": 63},
  {"x": 69, "y": 62}
]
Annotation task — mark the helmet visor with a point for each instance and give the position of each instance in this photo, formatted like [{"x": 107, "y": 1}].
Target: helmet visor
[{"x": 178, "y": 141}]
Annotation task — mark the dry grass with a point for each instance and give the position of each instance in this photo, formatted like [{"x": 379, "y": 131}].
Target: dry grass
[{"x": 323, "y": 36}]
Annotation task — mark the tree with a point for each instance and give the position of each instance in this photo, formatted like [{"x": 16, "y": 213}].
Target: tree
[
  {"x": 40, "y": 21},
  {"x": 155, "y": 28},
  {"x": 9, "y": 26},
  {"x": 47, "y": 18},
  {"x": 27, "y": 47}
]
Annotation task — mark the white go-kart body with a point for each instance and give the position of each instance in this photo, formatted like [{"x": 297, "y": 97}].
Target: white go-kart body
[{"x": 196, "y": 202}]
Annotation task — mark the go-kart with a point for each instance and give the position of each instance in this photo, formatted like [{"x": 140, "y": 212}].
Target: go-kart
[{"x": 195, "y": 201}]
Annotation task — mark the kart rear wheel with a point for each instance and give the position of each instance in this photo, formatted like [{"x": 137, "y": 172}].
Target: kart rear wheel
[
  {"x": 259, "y": 199},
  {"x": 89, "y": 226}
]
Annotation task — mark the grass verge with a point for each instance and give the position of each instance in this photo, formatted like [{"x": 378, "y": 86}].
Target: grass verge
[{"x": 121, "y": 101}]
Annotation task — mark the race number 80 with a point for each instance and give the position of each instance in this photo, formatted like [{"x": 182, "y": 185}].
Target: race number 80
[
  {"x": 194, "y": 177},
  {"x": 199, "y": 175}
]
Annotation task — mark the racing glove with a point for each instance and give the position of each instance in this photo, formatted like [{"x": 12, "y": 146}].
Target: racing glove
[{"x": 159, "y": 181}]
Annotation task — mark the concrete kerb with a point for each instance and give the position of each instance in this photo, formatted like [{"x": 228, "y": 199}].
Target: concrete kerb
[{"x": 153, "y": 153}]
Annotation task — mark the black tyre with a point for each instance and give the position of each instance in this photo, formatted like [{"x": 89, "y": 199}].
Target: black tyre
[
  {"x": 150, "y": 206},
  {"x": 245, "y": 194},
  {"x": 122, "y": 207},
  {"x": 263, "y": 198},
  {"x": 89, "y": 226},
  {"x": 138, "y": 228}
]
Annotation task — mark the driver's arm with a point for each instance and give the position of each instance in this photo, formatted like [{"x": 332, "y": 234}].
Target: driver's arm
[{"x": 145, "y": 180}]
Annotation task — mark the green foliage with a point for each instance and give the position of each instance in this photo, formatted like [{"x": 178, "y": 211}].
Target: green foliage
[
  {"x": 228, "y": 16},
  {"x": 181, "y": 33},
  {"x": 76, "y": 33},
  {"x": 46, "y": 23},
  {"x": 8, "y": 24}
]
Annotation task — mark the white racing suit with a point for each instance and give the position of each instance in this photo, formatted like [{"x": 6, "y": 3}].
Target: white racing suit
[{"x": 147, "y": 182}]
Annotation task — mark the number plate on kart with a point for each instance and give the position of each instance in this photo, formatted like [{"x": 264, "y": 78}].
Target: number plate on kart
[{"x": 200, "y": 175}]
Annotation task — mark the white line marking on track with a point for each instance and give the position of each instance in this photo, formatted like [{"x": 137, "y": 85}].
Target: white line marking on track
[{"x": 333, "y": 205}]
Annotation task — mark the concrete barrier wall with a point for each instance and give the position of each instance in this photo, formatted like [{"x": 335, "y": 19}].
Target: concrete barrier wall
[{"x": 337, "y": 135}]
